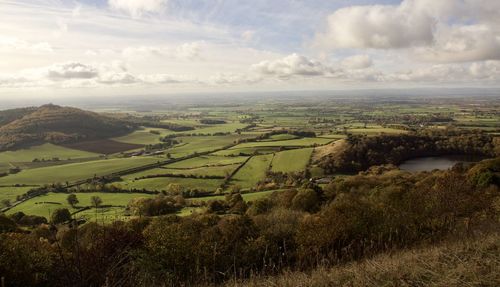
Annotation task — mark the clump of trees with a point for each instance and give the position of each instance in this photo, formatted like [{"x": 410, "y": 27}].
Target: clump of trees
[
  {"x": 60, "y": 215},
  {"x": 159, "y": 205},
  {"x": 361, "y": 152}
]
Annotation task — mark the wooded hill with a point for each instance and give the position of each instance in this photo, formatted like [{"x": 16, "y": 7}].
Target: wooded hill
[{"x": 55, "y": 124}]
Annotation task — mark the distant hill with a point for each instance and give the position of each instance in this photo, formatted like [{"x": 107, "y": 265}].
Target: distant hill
[{"x": 55, "y": 124}]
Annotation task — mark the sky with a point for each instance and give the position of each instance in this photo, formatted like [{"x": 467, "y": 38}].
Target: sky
[{"x": 153, "y": 47}]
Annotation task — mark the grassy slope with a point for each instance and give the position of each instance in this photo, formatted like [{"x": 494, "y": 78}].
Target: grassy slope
[
  {"x": 475, "y": 262},
  {"x": 45, "y": 151},
  {"x": 291, "y": 160},
  {"x": 75, "y": 171}
]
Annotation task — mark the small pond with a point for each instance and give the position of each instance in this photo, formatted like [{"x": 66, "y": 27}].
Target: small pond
[{"x": 436, "y": 162}]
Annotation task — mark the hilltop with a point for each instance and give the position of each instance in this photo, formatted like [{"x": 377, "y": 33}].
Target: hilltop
[{"x": 56, "y": 124}]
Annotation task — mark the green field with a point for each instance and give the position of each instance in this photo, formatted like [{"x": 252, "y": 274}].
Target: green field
[
  {"x": 161, "y": 183},
  {"x": 280, "y": 137},
  {"x": 375, "y": 131},
  {"x": 248, "y": 151},
  {"x": 197, "y": 171},
  {"x": 253, "y": 171},
  {"x": 11, "y": 193},
  {"x": 144, "y": 136},
  {"x": 46, "y": 151},
  {"x": 294, "y": 142},
  {"x": 74, "y": 171},
  {"x": 291, "y": 160},
  {"x": 190, "y": 145},
  {"x": 46, "y": 204},
  {"x": 207, "y": 160},
  {"x": 229, "y": 127}
]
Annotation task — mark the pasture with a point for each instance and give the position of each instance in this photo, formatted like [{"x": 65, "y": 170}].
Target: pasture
[
  {"x": 162, "y": 183},
  {"x": 11, "y": 192},
  {"x": 303, "y": 142},
  {"x": 291, "y": 160},
  {"x": 46, "y": 151},
  {"x": 253, "y": 171},
  {"x": 46, "y": 204},
  {"x": 74, "y": 171},
  {"x": 207, "y": 160}
]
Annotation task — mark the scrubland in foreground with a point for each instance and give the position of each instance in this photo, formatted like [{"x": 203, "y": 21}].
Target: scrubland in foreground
[{"x": 472, "y": 262}]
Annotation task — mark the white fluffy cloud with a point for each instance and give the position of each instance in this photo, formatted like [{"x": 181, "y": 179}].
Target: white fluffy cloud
[
  {"x": 71, "y": 70},
  {"x": 485, "y": 71},
  {"x": 462, "y": 44},
  {"x": 438, "y": 31},
  {"x": 136, "y": 8},
  {"x": 76, "y": 74},
  {"x": 292, "y": 65},
  {"x": 378, "y": 26}
]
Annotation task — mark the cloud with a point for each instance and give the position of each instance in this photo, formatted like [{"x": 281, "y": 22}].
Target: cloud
[
  {"x": 233, "y": 78},
  {"x": 463, "y": 44},
  {"x": 292, "y": 65},
  {"x": 357, "y": 62},
  {"x": 136, "y": 8},
  {"x": 378, "y": 26},
  {"x": 71, "y": 70},
  {"x": 437, "y": 31},
  {"x": 76, "y": 74},
  {"x": 8, "y": 44},
  {"x": 188, "y": 51},
  {"x": 358, "y": 69}
]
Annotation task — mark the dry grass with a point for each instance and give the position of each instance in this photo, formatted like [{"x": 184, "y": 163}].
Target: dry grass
[
  {"x": 329, "y": 149},
  {"x": 470, "y": 263}
]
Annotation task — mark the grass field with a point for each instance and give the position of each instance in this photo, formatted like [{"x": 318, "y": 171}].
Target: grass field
[
  {"x": 291, "y": 160},
  {"x": 253, "y": 171},
  {"x": 46, "y": 151},
  {"x": 192, "y": 144},
  {"x": 229, "y": 127},
  {"x": 293, "y": 142},
  {"x": 248, "y": 151},
  {"x": 144, "y": 136},
  {"x": 161, "y": 183},
  {"x": 207, "y": 160},
  {"x": 75, "y": 171},
  {"x": 11, "y": 193},
  {"x": 280, "y": 137},
  {"x": 198, "y": 171},
  {"x": 375, "y": 131},
  {"x": 46, "y": 204}
]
